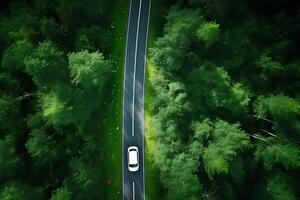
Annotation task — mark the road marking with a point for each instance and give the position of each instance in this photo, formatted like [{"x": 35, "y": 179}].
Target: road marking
[
  {"x": 123, "y": 137},
  {"x": 133, "y": 191},
  {"x": 134, "y": 68},
  {"x": 124, "y": 81}
]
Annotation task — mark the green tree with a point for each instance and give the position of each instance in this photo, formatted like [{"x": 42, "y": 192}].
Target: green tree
[
  {"x": 19, "y": 190},
  {"x": 74, "y": 14},
  {"x": 89, "y": 70},
  {"x": 281, "y": 187},
  {"x": 220, "y": 77},
  {"x": 49, "y": 28},
  {"x": 209, "y": 33},
  {"x": 5, "y": 106},
  {"x": 9, "y": 84},
  {"x": 284, "y": 111},
  {"x": 84, "y": 178},
  {"x": 42, "y": 147},
  {"x": 268, "y": 65},
  {"x": 170, "y": 50},
  {"x": 210, "y": 88},
  {"x": 52, "y": 97},
  {"x": 61, "y": 194},
  {"x": 10, "y": 162},
  {"x": 11, "y": 123},
  {"x": 65, "y": 105},
  {"x": 46, "y": 65},
  {"x": 184, "y": 178},
  {"x": 278, "y": 152},
  {"x": 174, "y": 95},
  {"x": 13, "y": 57},
  {"x": 94, "y": 38},
  {"x": 19, "y": 24},
  {"x": 226, "y": 144}
]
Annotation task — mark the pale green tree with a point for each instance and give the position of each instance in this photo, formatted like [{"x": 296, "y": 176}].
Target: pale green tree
[
  {"x": 18, "y": 190},
  {"x": 61, "y": 194},
  {"x": 219, "y": 145},
  {"x": 89, "y": 70},
  {"x": 64, "y": 105}
]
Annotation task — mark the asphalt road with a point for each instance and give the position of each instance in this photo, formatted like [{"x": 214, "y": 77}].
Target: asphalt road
[{"x": 133, "y": 100}]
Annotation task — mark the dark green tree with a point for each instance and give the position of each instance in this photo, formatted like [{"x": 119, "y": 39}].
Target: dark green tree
[
  {"x": 94, "y": 38},
  {"x": 13, "y": 57},
  {"x": 281, "y": 187},
  {"x": 10, "y": 162},
  {"x": 278, "y": 152},
  {"x": 46, "y": 65},
  {"x": 211, "y": 88},
  {"x": 42, "y": 148},
  {"x": 170, "y": 50},
  {"x": 53, "y": 82}
]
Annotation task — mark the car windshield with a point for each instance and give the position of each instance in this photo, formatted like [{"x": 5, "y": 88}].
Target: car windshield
[{"x": 133, "y": 157}]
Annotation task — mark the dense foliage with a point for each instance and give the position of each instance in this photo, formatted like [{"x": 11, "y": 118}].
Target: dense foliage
[
  {"x": 55, "y": 78},
  {"x": 226, "y": 100}
]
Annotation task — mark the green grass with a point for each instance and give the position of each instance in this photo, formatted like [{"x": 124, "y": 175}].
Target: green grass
[
  {"x": 154, "y": 187},
  {"x": 113, "y": 125},
  {"x": 153, "y": 184}
]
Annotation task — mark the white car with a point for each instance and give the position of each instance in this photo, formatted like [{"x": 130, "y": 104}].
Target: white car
[{"x": 133, "y": 159}]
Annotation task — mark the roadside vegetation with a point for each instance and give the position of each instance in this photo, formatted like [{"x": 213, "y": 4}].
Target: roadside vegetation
[
  {"x": 59, "y": 65},
  {"x": 224, "y": 107},
  {"x": 113, "y": 125},
  {"x": 156, "y": 21}
]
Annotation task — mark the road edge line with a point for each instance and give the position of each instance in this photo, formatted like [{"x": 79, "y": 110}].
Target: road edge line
[
  {"x": 124, "y": 82},
  {"x": 134, "y": 67}
]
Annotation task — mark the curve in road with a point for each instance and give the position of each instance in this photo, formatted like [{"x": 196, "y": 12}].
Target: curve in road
[{"x": 133, "y": 99}]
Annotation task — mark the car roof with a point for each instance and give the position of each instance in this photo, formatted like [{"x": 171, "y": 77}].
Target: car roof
[{"x": 133, "y": 157}]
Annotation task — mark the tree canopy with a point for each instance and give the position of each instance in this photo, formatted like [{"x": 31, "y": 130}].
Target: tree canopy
[
  {"x": 226, "y": 100},
  {"x": 55, "y": 73}
]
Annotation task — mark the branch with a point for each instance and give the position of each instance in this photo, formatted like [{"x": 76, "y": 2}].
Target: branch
[
  {"x": 257, "y": 137},
  {"x": 285, "y": 33},
  {"x": 265, "y": 119},
  {"x": 50, "y": 185},
  {"x": 24, "y": 96},
  {"x": 265, "y": 131}
]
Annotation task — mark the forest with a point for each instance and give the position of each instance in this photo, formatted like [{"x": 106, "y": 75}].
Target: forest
[
  {"x": 225, "y": 100},
  {"x": 56, "y": 74},
  {"x": 225, "y": 95}
]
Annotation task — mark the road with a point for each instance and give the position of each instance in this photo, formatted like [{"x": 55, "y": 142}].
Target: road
[{"x": 133, "y": 99}]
